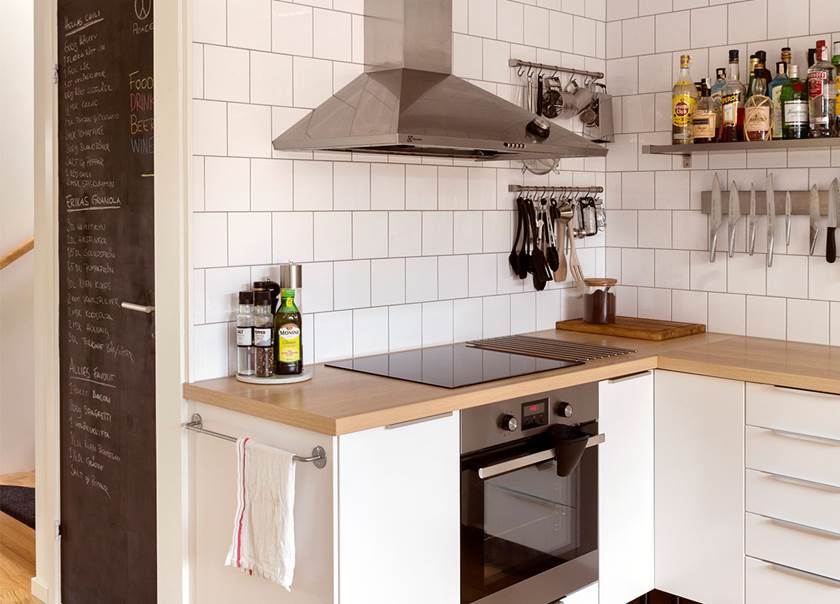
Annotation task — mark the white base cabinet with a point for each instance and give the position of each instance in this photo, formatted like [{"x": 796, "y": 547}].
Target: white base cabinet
[
  {"x": 587, "y": 595},
  {"x": 380, "y": 524},
  {"x": 625, "y": 489},
  {"x": 699, "y": 461}
]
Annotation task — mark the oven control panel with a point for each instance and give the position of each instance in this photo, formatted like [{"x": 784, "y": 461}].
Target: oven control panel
[{"x": 534, "y": 414}]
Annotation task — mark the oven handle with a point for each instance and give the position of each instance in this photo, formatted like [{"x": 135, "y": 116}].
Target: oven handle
[{"x": 529, "y": 460}]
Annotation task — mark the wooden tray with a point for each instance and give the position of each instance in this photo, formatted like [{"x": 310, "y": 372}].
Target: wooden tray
[{"x": 631, "y": 327}]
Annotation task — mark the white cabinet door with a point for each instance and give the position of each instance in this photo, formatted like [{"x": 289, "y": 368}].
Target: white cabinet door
[
  {"x": 399, "y": 514},
  {"x": 625, "y": 488},
  {"x": 587, "y": 595},
  {"x": 699, "y": 440}
]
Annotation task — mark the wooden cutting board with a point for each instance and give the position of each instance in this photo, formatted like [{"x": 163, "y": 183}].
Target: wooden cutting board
[{"x": 631, "y": 327}]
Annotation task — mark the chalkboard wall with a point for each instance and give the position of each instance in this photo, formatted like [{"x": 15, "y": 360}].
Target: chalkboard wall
[{"x": 106, "y": 223}]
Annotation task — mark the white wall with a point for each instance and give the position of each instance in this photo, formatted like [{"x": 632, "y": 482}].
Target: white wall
[
  {"x": 657, "y": 237},
  {"x": 399, "y": 252},
  {"x": 17, "y": 428}
]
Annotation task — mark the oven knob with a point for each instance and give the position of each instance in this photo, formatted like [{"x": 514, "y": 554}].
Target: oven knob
[
  {"x": 565, "y": 410},
  {"x": 509, "y": 423}
]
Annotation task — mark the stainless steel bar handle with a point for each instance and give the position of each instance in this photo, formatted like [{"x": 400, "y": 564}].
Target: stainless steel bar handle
[
  {"x": 802, "y": 574},
  {"x": 138, "y": 307},
  {"x": 821, "y": 440},
  {"x": 802, "y": 528},
  {"x": 530, "y": 460},
  {"x": 808, "y": 484}
]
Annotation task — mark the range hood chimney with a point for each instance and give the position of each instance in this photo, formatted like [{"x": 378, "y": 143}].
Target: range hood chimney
[{"x": 408, "y": 102}]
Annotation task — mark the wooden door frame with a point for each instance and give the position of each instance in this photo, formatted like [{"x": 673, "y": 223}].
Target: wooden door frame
[{"x": 172, "y": 50}]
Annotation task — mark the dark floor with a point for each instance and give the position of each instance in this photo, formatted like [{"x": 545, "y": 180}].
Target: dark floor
[{"x": 658, "y": 597}]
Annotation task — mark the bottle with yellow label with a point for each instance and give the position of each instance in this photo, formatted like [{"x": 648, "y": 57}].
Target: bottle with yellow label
[
  {"x": 684, "y": 99},
  {"x": 288, "y": 336}
]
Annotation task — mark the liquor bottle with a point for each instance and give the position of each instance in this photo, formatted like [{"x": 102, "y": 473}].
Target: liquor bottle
[
  {"x": 786, "y": 55},
  {"x": 795, "y": 105},
  {"x": 836, "y": 61},
  {"x": 288, "y": 336},
  {"x": 821, "y": 95},
  {"x": 757, "y": 110},
  {"x": 775, "y": 94},
  {"x": 732, "y": 103},
  {"x": 683, "y": 101},
  {"x": 704, "y": 121},
  {"x": 717, "y": 88},
  {"x": 753, "y": 63},
  {"x": 245, "y": 354}
]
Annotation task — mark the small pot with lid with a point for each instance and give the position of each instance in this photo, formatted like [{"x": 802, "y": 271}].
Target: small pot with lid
[{"x": 599, "y": 301}]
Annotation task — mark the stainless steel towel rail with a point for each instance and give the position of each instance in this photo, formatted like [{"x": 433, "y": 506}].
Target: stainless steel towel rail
[{"x": 196, "y": 424}]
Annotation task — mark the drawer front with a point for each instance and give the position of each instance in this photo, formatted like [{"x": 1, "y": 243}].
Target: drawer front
[
  {"x": 773, "y": 584},
  {"x": 814, "y": 413},
  {"x": 796, "y": 546},
  {"x": 792, "y": 455},
  {"x": 793, "y": 499}
]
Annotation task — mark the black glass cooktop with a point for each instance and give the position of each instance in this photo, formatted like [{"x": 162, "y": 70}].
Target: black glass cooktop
[{"x": 450, "y": 366}]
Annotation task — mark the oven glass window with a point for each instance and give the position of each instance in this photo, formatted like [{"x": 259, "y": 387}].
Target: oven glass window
[{"x": 523, "y": 523}]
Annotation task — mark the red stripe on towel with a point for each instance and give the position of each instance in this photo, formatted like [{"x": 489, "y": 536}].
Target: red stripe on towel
[{"x": 242, "y": 513}]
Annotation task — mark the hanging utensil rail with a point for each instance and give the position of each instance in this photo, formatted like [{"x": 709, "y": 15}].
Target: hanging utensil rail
[
  {"x": 541, "y": 189},
  {"x": 595, "y": 75},
  {"x": 196, "y": 424}
]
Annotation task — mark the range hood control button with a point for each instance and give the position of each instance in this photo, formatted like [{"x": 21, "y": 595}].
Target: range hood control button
[
  {"x": 565, "y": 410},
  {"x": 509, "y": 423}
]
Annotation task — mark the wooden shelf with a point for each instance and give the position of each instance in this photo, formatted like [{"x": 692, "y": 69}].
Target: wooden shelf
[{"x": 806, "y": 143}]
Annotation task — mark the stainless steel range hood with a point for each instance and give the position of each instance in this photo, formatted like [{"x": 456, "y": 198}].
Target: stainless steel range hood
[{"x": 408, "y": 103}]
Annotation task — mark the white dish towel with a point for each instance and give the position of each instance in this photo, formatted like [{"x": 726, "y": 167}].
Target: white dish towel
[{"x": 264, "y": 531}]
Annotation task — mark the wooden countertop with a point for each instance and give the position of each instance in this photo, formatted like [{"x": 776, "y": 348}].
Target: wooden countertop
[{"x": 339, "y": 402}]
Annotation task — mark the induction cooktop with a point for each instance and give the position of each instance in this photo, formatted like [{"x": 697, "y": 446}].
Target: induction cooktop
[{"x": 451, "y": 366}]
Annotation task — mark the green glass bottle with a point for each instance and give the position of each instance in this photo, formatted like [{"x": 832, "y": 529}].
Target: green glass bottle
[
  {"x": 288, "y": 335},
  {"x": 795, "y": 106}
]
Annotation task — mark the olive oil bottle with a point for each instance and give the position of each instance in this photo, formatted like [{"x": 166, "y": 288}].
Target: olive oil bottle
[{"x": 288, "y": 335}]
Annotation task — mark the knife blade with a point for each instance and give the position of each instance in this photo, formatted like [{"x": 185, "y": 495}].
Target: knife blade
[
  {"x": 814, "y": 211},
  {"x": 788, "y": 212},
  {"x": 715, "y": 218},
  {"x": 831, "y": 224},
  {"x": 752, "y": 224},
  {"x": 734, "y": 215},
  {"x": 771, "y": 220}
]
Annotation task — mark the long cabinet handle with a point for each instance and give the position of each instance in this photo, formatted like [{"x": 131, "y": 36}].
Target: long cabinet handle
[
  {"x": 804, "y": 391},
  {"x": 802, "y": 574},
  {"x": 627, "y": 378},
  {"x": 821, "y": 440},
  {"x": 802, "y": 528},
  {"x": 138, "y": 307},
  {"x": 530, "y": 460},
  {"x": 809, "y": 484}
]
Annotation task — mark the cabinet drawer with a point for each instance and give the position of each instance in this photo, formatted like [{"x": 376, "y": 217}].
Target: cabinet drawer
[
  {"x": 772, "y": 584},
  {"x": 793, "y": 499},
  {"x": 793, "y": 455},
  {"x": 793, "y": 545},
  {"x": 814, "y": 413}
]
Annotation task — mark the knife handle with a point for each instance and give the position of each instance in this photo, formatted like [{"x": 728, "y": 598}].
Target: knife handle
[{"x": 830, "y": 245}]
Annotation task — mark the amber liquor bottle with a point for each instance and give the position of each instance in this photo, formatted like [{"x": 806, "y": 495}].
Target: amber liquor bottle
[{"x": 732, "y": 103}]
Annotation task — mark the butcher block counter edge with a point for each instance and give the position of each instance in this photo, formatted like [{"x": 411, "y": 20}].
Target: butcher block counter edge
[{"x": 339, "y": 402}]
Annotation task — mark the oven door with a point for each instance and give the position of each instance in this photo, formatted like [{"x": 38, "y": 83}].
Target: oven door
[{"x": 528, "y": 536}]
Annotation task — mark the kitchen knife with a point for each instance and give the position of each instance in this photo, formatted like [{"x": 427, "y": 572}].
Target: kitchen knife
[
  {"x": 788, "y": 212},
  {"x": 771, "y": 220},
  {"x": 752, "y": 225},
  {"x": 814, "y": 211},
  {"x": 734, "y": 215},
  {"x": 715, "y": 218},
  {"x": 831, "y": 224}
]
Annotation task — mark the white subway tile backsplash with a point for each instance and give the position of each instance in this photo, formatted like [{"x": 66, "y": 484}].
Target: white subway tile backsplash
[
  {"x": 561, "y": 31},
  {"x": 690, "y": 231},
  {"x": 313, "y": 82},
  {"x": 467, "y": 55},
  {"x": 747, "y": 21},
  {"x": 370, "y": 331},
  {"x": 727, "y": 314},
  {"x": 271, "y": 185},
  {"x": 766, "y": 317},
  {"x": 708, "y": 27},
  {"x": 482, "y": 188},
  {"x": 637, "y": 267},
  {"x": 226, "y": 74},
  {"x": 209, "y": 136},
  {"x": 482, "y": 275},
  {"x": 271, "y": 79},
  {"x": 351, "y": 284},
  {"x": 313, "y": 185},
  {"x": 651, "y": 7},
  {"x": 622, "y": 9},
  {"x": 333, "y": 236},
  {"x": 209, "y": 240},
  {"x": 292, "y": 236},
  {"x": 421, "y": 190},
  {"x": 788, "y": 276},
  {"x": 656, "y": 70},
  {"x": 535, "y": 26},
  {"x": 405, "y": 327},
  {"x": 209, "y": 21},
  {"x": 523, "y": 312},
  {"x": 222, "y": 286},
  {"x": 249, "y": 24},
  {"x": 498, "y": 231},
  {"x": 638, "y": 36},
  {"x": 351, "y": 184},
  {"x": 387, "y": 188},
  {"x": 421, "y": 279},
  {"x": 249, "y": 238},
  {"x": 291, "y": 28},
  {"x": 388, "y": 281},
  {"x": 248, "y": 128},
  {"x": 468, "y": 319},
  {"x": 437, "y": 323},
  {"x": 689, "y": 306},
  {"x": 637, "y": 190},
  {"x": 654, "y": 303},
  {"x": 496, "y": 316},
  {"x": 453, "y": 187},
  {"x": 672, "y": 269},
  {"x": 332, "y": 35},
  {"x": 437, "y": 233},
  {"x": 227, "y": 184},
  {"x": 808, "y": 321},
  {"x": 672, "y": 31},
  {"x": 210, "y": 345},
  {"x": 673, "y": 190},
  {"x": 370, "y": 234},
  {"x": 824, "y": 16},
  {"x": 655, "y": 229},
  {"x": 405, "y": 234},
  {"x": 708, "y": 276},
  {"x": 467, "y": 233},
  {"x": 333, "y": 336}
]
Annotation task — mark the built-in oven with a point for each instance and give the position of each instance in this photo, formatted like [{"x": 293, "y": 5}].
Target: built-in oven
[{"x": 529, "y": 497}]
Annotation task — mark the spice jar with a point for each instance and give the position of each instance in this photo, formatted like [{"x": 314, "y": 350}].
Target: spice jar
[
  {"x": 599, "y": 302},
  {"x": 263, "y": 329}
]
